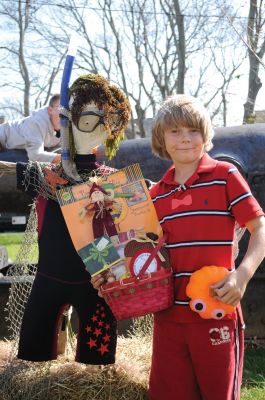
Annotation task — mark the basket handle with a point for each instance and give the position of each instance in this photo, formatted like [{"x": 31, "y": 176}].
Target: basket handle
[{"x": 152, "y": 255}]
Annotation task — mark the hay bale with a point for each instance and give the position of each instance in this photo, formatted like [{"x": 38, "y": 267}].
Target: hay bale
[
  {"x": 5, "y": 348},
  {"x": 65, "y": 379}
]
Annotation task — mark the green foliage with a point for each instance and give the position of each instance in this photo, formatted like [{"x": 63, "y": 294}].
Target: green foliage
[
  {"x": 8, "y": 239},
  {"x": 12, "y": 241},
  {"x": 253, "y": 393},
  {"x": 254, "y": 374}
]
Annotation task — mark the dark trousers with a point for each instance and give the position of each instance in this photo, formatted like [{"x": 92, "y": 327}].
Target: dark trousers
[{"x": 96, "y": 338}]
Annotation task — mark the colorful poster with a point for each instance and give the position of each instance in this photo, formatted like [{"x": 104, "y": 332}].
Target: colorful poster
[{"x": 127, "y": 201}]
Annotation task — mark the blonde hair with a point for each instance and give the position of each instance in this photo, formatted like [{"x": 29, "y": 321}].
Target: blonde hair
[{"x": 180, "y": 110}]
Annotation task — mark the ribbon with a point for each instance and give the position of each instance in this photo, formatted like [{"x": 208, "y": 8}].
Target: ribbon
[
  {"x": 153, "y": 243},
  {"x": 98, "y": 255}
]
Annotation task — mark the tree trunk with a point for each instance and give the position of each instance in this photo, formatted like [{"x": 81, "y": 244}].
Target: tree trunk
[
  {"x": 23, "y": 25},
  {"x": 254, "y": 85},
  {"x": 181, "y": 48},
  {"x": 254, "y": 82},
  {"x": 140, "y": 117}
]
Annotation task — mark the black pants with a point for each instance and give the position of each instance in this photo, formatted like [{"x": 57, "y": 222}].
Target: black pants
[{"x": 97, "y": 333}]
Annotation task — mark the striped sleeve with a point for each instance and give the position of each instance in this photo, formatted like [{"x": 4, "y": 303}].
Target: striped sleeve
[{"x": 242, "y": 203}]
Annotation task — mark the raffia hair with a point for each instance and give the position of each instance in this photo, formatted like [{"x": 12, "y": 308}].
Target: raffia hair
[{"x": 109, "y": 98}]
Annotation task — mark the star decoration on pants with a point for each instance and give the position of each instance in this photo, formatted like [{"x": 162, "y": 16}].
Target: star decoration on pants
[
  {"x": 98, "y": 331},
  {"x": 103, "y": 349},
  {"x": 92, "y": 343}
]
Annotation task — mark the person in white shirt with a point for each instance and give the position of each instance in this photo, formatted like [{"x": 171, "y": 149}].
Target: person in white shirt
[{"x": 35, "y": 133}]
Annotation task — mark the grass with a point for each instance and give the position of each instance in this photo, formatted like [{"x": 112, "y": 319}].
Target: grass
[
  {"x": 12, "y": 242},
  {"x": 253, "y": 394},
  {"x": 254, "y": 374},
  {"x": 254, "y": 366}
]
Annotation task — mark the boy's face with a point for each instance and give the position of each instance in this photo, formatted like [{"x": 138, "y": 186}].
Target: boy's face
[
  {"x": 53, "y": 112},
  {"x": 184, "y": 145}
]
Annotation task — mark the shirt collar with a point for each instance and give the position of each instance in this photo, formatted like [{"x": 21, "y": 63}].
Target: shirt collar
[{"x": 206, "y": 165}]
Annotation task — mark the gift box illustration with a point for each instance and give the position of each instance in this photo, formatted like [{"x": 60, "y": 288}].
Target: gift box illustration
[{"x": 99, "y": 255}]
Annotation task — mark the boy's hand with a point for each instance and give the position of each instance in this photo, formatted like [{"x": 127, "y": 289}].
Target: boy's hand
[
  {"x": 97, "y": 281},
  {"x": 231, "y": 289}
]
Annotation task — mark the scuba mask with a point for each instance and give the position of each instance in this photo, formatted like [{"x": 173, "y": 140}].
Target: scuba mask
[{"x": 88, "y": 121}]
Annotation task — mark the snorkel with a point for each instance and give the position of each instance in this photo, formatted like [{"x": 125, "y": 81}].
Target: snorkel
[{"x": 68, "y": 164}]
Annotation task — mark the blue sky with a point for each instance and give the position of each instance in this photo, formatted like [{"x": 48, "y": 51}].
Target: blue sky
[{"x": 238, "y": 89}]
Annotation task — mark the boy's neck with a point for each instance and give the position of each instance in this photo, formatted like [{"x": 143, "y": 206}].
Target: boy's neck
[{"x": 184, "y": 171}]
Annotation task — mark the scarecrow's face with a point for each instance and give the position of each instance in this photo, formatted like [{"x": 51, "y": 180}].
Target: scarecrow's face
[
  {"x": 97, "y": 196},
  {"x": 90, "y": 131}
]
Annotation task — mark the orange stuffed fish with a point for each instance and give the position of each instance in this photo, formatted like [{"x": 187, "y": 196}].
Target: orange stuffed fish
[{"x": 199, "y": 291}]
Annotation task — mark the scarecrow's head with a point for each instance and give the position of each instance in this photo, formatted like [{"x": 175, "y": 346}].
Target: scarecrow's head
[
  {"x": 99, "y": 114},
  {"x": 96, "y": 193}
]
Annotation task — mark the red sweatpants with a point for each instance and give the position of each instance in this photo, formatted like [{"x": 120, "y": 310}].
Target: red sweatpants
[{"x": 196, "y": 361}]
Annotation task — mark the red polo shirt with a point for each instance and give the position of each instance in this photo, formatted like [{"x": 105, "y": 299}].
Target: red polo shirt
[{"x": 199, "y": 218}]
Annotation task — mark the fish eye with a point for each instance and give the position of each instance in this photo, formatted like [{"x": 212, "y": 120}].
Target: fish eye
[
  {"x": 198, "y": 305},
  {"x": 218, "y": 313}
]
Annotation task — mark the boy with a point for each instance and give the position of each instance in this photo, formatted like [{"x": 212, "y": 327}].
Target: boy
[
  {"x": 198, "y": 201},
  {"x": 35, "y": 133}
]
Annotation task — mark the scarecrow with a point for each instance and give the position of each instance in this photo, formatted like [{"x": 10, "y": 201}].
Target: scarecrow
[
  {"x": 102, "y": 220},
  {"x": 94, "y": 112}
]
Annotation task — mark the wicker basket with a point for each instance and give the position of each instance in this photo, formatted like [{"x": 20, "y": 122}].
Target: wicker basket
[{"x": 142, "y": 294}]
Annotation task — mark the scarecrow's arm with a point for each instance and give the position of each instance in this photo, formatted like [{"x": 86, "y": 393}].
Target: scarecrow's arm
[{"x": 7, "y": 168}]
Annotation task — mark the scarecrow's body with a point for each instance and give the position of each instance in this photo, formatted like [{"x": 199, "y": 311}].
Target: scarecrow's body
[
  {"x": 102, "y": 221},
  {"x": 62, "y": 280}
]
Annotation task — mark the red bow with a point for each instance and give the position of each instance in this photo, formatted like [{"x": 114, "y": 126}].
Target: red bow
[{"x": 186, "y": 201}]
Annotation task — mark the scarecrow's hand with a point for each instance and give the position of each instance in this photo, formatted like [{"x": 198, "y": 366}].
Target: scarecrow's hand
[
  {"x": 53, "y": 179},
  {"x": 116, "y": 207},
  {"x": 90, "y": 209},
  {"x": 82, "y": 213}
]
